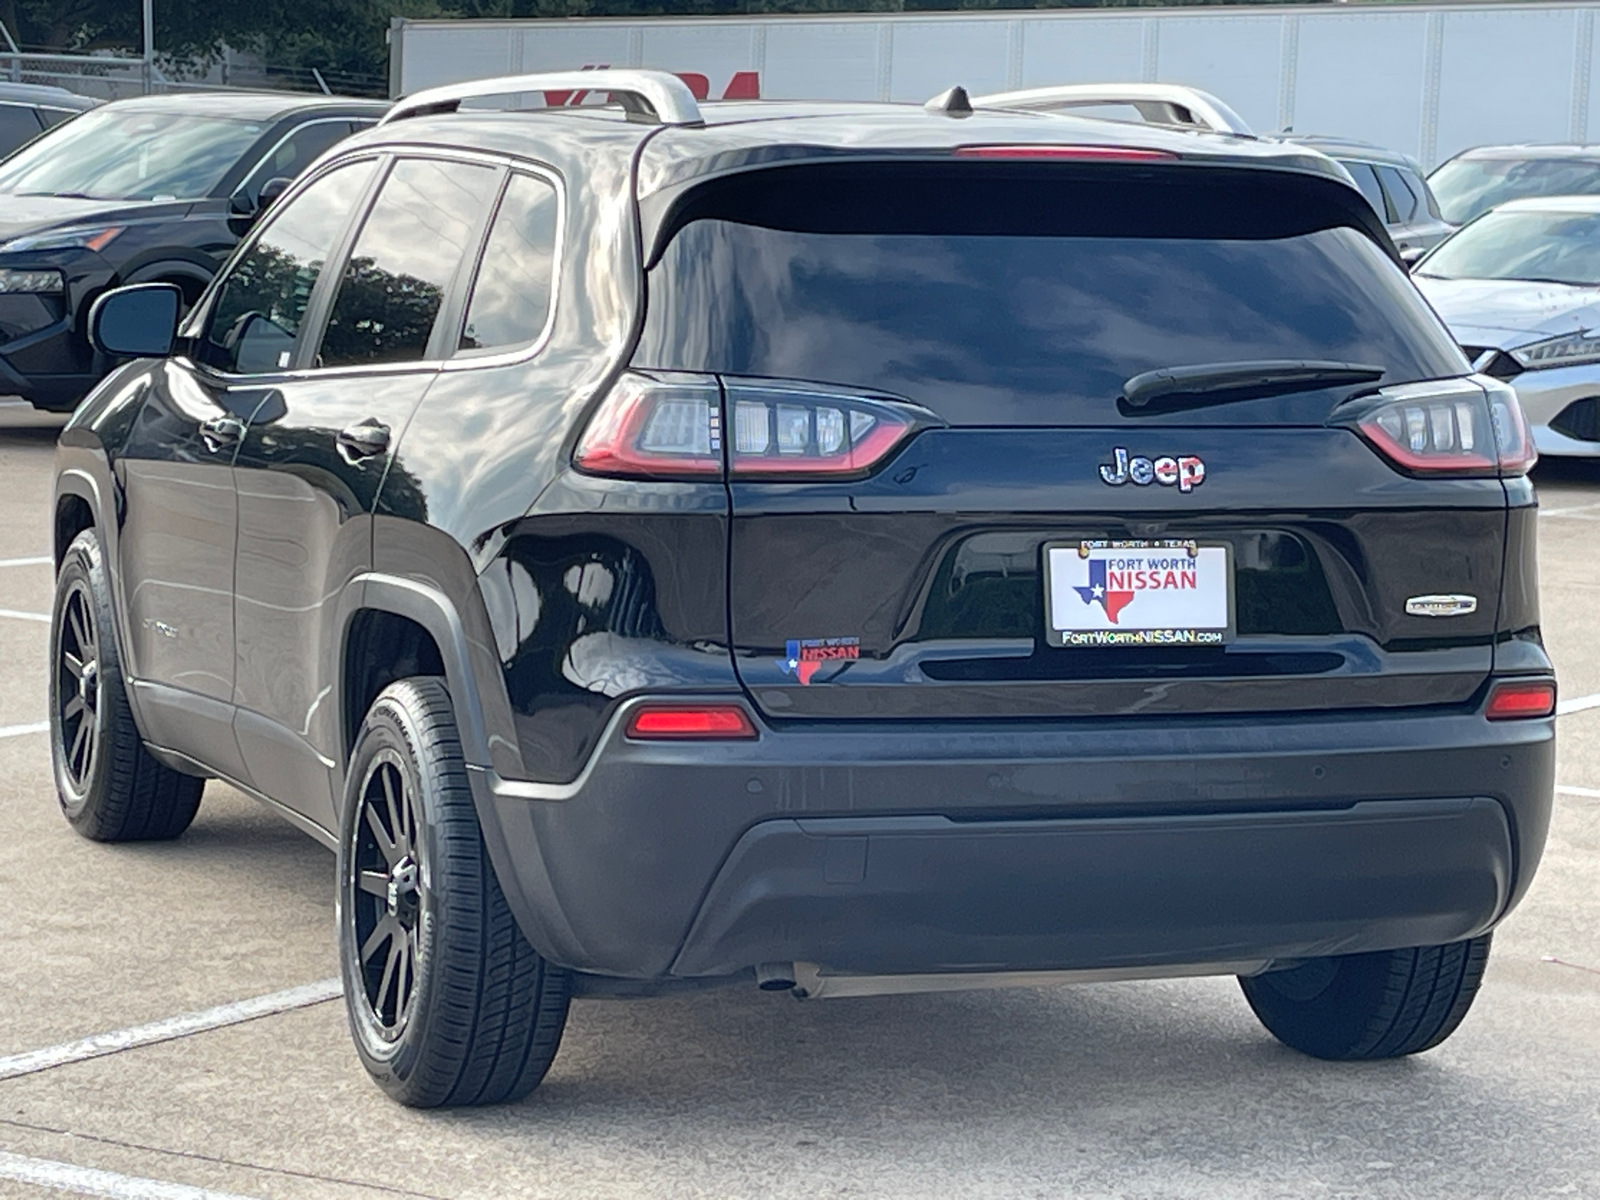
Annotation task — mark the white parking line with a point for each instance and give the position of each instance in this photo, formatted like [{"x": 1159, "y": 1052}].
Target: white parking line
[
  {"x": 1577, "y": 704},
  {"x": 169, "y": 1028},
  {"x": 11, "y": 731},
  {"x": 1571, "y": 510},
  {"x": 86, "y": 1181},
  {"x": 1563, "y": 789},
  {"x": 15, "y": 615},
  {"x": 38, "y": 560}
]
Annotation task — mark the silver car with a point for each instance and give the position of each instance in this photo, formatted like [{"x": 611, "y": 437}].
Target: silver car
[
  {"x": 1476, "y": 180},
  {"x": 1520, "y": 290}
]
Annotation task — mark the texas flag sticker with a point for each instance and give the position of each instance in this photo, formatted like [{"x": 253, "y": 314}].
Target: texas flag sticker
[{"x": 804, "y": 657}]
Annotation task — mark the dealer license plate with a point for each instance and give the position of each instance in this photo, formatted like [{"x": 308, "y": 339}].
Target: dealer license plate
[{"x": 1138, "y": 593}]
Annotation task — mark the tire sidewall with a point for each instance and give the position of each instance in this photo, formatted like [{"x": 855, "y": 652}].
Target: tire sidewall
[{"x": 391, "y": 731}]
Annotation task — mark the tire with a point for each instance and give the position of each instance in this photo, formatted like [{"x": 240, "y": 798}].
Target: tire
[
  {"x": 448, "y": 1004},
  {"x": 1364, "y": 1006},
  {"x": 110, "y": 787}
]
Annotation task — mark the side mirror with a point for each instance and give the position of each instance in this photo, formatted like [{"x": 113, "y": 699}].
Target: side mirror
[
  {"x": 1411, "y": 255},
  {"x": 137, "y": 321},
  {"x": 272, "y": 189}
]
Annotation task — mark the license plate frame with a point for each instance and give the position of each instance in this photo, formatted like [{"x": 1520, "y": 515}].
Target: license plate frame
[{"x": 1091, "y": 623}]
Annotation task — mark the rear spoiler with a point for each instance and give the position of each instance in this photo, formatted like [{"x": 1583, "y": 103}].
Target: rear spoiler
[{"x": 1156, "y": 103}]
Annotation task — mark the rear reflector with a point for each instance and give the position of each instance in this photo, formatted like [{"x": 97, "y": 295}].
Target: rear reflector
[
  {"x": 1513, "y": 700},
  {"x": 696, "y": 722},
  {"x": 1076, "y": 153}
]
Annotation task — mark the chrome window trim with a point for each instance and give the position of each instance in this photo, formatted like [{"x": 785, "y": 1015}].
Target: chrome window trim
[{"x": 201, "y": 312}]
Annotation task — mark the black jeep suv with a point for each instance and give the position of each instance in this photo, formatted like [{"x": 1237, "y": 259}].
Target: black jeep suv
[
  {"x": 845, "y": 548},
  {"x": 153, "y": 188}
]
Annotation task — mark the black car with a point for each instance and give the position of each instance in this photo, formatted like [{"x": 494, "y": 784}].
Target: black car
[
  {"x": 843, "y": 548},
  {"x": 28, "y": 109},
  {"x": 154, "y": 188},
  {"x": 1394, "y": 185}
]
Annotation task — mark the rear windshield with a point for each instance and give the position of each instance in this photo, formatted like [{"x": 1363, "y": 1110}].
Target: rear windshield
[
  {"x": 1019, "y": 329},
  {"x": 1468, "y": 187}
]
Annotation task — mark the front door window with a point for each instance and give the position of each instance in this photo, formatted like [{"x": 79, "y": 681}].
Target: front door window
[{"x": 256, "y": 319}]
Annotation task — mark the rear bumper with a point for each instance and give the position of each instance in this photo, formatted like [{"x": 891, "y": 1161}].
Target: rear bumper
[{"x": 988, "y": 848}]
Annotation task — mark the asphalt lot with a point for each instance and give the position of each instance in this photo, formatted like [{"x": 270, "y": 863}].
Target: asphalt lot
[{"x": 1131, "y": 1089}]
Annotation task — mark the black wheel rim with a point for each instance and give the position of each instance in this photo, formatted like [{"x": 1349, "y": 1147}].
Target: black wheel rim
[
  {"x": 78, "y": 688},
  {"x": 387, "y": 894}
]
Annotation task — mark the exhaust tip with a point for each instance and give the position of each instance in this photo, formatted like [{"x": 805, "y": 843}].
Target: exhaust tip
[{"x": 775, "y": 976}]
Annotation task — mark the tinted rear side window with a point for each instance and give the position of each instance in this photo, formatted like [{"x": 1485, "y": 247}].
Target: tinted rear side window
[
  {"x": 403, "y": 261},
  {"x": 511, "y": 294},
  {"x": 1367, "y": 180},
  {"x": 1013, "y": 329},
  {"x": 17, "y": 125},
  {"x": 1406, "y": 201}
]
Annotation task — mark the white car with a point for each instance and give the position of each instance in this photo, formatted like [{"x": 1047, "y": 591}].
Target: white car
[{"x": 1520, "y": 289}]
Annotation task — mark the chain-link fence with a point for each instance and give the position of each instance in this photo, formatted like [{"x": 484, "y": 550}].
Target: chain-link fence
[{"x": 112, "y": 76}]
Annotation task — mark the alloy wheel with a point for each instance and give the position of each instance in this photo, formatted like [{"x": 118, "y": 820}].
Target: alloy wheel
[
  {"x": 387, "y": 894},
  {"x": 78, "y": 688}
]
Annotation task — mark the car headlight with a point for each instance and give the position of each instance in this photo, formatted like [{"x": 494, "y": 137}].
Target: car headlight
[
  {"x": 96, "y": 237},
  {"x": 31, "y": 282},
  {"x": 1565, "y": 351}
]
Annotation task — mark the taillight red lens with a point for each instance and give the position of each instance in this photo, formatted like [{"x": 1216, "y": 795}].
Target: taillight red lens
[
  {"x": 1076, "y": 153},
  {"x": 789, "y": 431},
  {"x": 1516, "y": 699},
  {"x": 690, "y": 722},
  {"x": 1450, "y": 427},
  {"x": 655, "y": 426}
]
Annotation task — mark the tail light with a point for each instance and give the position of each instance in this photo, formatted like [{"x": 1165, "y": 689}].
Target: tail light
[
  {"x": 1451, "y": 427},
  {"x": 656, "y": 427},
  {"x": 781, "y": 430},
  {"x": 660, "y": 426},
  {"x": 1521, "y": 699},
  {"x": 690, "y": 722}
]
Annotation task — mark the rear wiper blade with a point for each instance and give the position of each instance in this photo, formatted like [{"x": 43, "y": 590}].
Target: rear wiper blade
[{"x": 1173, "y": 389}]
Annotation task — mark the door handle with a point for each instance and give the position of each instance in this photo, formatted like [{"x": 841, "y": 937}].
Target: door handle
[
  {"x": 221, "y": 431},
  {"x": 363, "y": 440}
]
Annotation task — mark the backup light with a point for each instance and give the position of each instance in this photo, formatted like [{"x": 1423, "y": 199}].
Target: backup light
[
  {"x": 691, "y": 722},
  {"x": 1570, "y": 349},
  {"x": 1521, "y": 699},
  {"x": 785, "y": 430},
  {"x": 1457, "y": 427}
]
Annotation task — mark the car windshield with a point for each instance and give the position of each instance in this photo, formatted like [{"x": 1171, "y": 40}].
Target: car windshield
[
  {"x": 1469, "y": 187},
  {"x": 130, "y": 155},
  {"x": 1548, "y": 247}
]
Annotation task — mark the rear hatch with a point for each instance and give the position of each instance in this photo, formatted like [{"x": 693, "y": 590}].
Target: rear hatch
[{"x": 1085, "y": 506}]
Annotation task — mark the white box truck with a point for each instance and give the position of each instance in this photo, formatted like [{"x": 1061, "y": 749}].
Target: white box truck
[{"x": 1427, "y": 79}]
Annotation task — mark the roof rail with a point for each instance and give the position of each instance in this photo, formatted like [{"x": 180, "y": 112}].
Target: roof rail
[
  {"x": 655, "y": 97},
  {"x": 1156, "y": 103}
]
